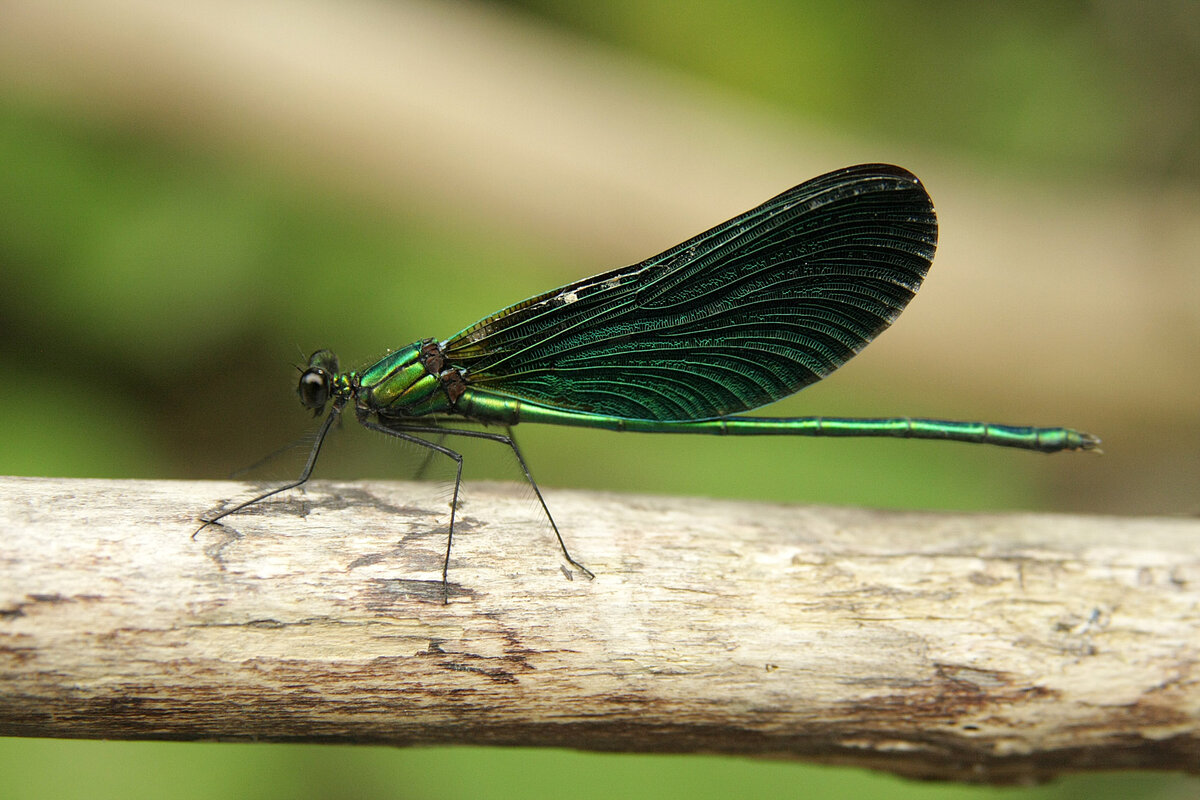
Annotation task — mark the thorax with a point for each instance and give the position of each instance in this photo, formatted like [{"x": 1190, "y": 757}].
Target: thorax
[{"x": 411, "y": 382}]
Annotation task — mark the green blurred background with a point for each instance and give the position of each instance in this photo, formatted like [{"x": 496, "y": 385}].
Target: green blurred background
[{"x": 195, "y": 196}]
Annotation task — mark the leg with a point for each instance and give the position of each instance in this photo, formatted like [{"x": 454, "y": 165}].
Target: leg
[
  {"x": 420, "y": 473},
  {"x": 304, "y": 475},
  {"x": 504, "y": 439},
  {"x": 446, "y": 451}
]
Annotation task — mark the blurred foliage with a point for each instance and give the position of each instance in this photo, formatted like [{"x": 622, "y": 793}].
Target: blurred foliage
[
  {"x": 1082, "y": 88},
  {"x": 265, "y": 772}
]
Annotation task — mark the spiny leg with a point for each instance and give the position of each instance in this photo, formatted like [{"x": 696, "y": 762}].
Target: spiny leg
[
  {"x": 429, "y": 454},
  {"x": 512, "y": 443},
  {"x": 453, "y": 502},
  {"x": 304, "y": 475}
]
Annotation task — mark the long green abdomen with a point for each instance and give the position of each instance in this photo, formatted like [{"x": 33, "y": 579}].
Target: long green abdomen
[{"x": 487, "y": 407}]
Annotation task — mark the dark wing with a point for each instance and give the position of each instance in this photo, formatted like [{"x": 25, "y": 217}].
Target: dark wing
[{"x": 737, "y": 317}]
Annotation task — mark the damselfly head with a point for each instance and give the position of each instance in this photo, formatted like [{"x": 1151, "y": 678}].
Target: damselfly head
[{"x": 317, "y": 380}]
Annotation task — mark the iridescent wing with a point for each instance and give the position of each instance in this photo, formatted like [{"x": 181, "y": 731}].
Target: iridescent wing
[{"x": 735, "y": 318}]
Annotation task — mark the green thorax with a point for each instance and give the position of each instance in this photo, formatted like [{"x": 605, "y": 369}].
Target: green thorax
[{"x": 410, "y": 382}]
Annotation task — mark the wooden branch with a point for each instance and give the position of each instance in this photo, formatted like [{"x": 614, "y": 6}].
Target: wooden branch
[{"x": 967, "y": 647}]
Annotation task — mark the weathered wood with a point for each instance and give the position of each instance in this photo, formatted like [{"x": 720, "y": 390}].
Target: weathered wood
[{"x": 972, "y": 647}]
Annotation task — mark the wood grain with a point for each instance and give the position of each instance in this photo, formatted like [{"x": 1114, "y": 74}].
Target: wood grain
[{"x": 981, "y": 647}]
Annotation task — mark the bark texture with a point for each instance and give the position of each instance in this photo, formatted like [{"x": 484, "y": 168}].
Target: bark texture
[{"x": 983, "y": 647}]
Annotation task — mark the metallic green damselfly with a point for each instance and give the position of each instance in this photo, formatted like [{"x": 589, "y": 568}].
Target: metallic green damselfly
[{"x": 733, "y": 319}]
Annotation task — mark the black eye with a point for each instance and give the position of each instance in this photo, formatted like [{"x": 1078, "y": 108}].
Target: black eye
[
  {"x": 314, "y": 389},
  {"x": 324, "y": 360}
]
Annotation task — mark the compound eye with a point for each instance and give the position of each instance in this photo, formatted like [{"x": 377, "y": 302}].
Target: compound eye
[{"x": 314, "y": 388}]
